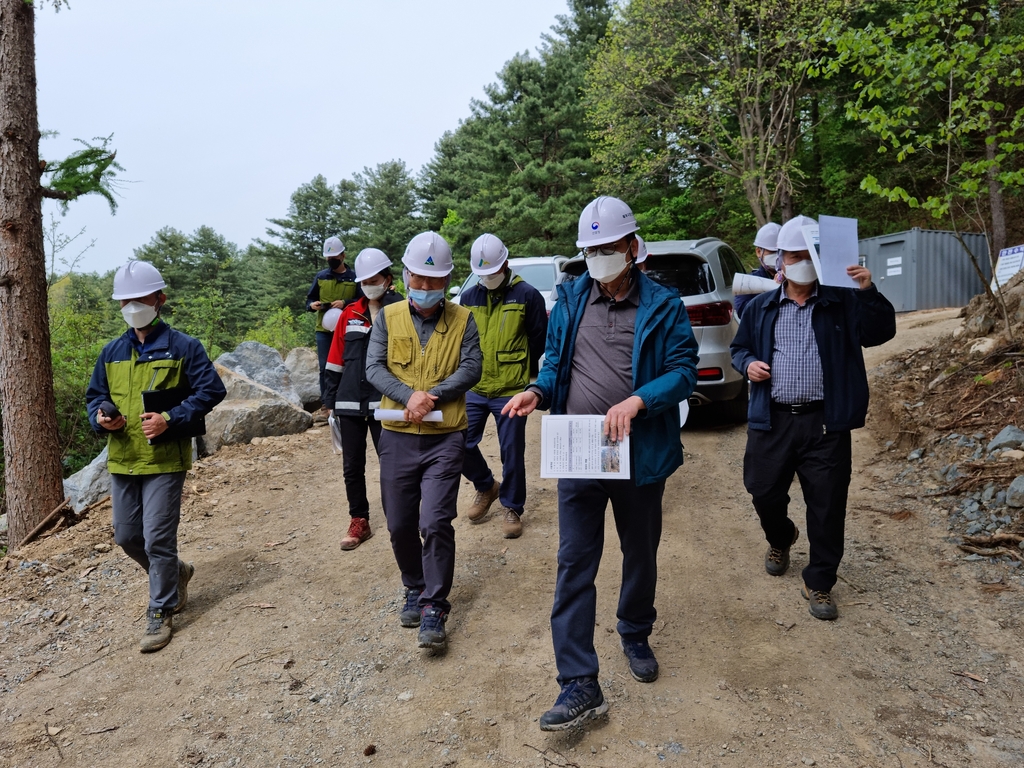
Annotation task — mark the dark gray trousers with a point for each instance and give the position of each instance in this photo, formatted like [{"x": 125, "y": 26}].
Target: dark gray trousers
[
  {"x": 146, "y": 513},
  {"x": 419, "y": 488}
]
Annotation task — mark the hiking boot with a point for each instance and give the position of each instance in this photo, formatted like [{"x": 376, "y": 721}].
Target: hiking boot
[
  {"x": 512, "y": 527},
  {"x": 432, "y": 634},
  {"x": 820, "y": 604},
  {"x": 776, "y": 561},
  {"x": 410, "y": 615},
  {"x": 580, "y": 699},
  {"x": 482, "y": 503},
  {"x": 358, "y": 532},
  {"x": 642, "y": 664},
  {"x": 158, "y": 630},
  {"x": 185, "y": 571}
]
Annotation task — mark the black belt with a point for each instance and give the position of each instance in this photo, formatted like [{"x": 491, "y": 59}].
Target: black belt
[{"x": 799, "y": 408}]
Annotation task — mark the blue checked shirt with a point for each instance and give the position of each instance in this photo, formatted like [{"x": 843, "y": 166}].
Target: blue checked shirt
[{"x": 796, "y": 364}]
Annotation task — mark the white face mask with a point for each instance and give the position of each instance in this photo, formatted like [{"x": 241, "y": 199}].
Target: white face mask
[
  {"x": 604, "y": 268},
  {"x": 374, "y": 292},
  {"x": 801, "y": 273},
  {"x": 138, "y": 315},
  {"x": 769, "y": 260},
  {"x": 490, "y": 282}
]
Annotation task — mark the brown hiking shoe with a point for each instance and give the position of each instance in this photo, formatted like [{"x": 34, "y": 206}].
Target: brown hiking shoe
[
  {"x": 512, "y": 527},
  {"x": 185, "y": 572},
  {"x": 821, "y": 604},
  {"x": 158, "y": 630},
  {"x": 482, "y": 503},
  {"x": 776, "y": 561},
  {"x": 358, "y": 532}
]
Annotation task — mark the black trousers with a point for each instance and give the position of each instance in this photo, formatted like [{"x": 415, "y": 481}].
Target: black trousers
[
  {"x": 353, "y": 459},
  {"x": 798, "y": 444}
]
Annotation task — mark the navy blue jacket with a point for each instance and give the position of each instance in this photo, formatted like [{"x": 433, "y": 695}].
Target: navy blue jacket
[
  {"x": 664, "y": 369},
  {"x": 844, "y": 320}
]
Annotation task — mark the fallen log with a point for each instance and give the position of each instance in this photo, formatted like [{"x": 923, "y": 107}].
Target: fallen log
[{"x": 46, "y": 521}]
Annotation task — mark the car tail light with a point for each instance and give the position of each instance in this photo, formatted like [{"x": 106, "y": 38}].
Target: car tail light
[
  {"x": 709, "y": 374},
  {"x": 716, "y": 313}
]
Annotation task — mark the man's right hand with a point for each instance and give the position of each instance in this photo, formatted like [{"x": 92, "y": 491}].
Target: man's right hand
[
  {"x": 522, "y": 404},
  {"x": 758, "y": 371},
  {"x": 419, "y": 405},
  {"x": 111, "y": 425}
]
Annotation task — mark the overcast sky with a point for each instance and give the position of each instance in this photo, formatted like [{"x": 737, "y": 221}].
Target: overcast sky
[{"x": 220, "y": 109}]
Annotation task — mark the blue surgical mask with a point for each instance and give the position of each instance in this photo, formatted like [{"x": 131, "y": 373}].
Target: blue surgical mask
[{"x": 426, "y": 299}]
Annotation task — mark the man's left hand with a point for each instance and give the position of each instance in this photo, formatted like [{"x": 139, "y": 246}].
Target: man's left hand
[
  {"x": 861, "y": 274},
  {"x": 620, "y": 417},
  {"x": 153, "y": 424}
]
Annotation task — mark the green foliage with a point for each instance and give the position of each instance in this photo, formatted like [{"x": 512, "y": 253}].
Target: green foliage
[
  {"x": 387, "y": 210},
  {"x": 280, "y": 329},
  {"x": 942, "y": 78},
  {"x": 92, "y": 170}
]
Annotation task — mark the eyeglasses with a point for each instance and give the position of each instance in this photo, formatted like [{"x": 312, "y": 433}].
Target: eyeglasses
[{"x": 607, "y": 249}]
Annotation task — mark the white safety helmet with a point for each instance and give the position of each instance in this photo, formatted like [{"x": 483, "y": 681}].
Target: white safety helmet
[
  {"x": 488, "y": 255},
  {"x": 333, "y": 248},
  {"x": 768, "y": 237},
  {"x": 605, "y": 220},
  {"x": 137, "y": 279},
  {"x": 641, "y": 250},
  {"x": 791, "y": 234},
  {"x": 331, "y": 318},
  {"x": 428, "y": 255},
  {"x": 370, "y": 262}
]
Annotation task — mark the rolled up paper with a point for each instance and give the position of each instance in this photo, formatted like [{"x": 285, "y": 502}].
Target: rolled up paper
[
  {"x": 393, "y": 414},
  {"x": 752, "y": 284}
]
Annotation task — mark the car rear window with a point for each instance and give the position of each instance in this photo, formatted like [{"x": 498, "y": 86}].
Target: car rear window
[
  {"x": 540, "y": 276},
  {"x": 687, "y": 274}
]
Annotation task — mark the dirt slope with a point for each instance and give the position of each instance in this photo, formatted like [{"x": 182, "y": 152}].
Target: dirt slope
[{"x": 290, "y": 653}]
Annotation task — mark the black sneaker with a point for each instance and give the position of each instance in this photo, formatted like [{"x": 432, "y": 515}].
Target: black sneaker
[
  {"x": 776, "y": 561},
  {"x": 642, "y": 664},
  {"x": 410, "y": 616},
  {"x": 820, "y": 604},
  {"x": 432, "y": 634},
  {"x": 580, "y": 699}
]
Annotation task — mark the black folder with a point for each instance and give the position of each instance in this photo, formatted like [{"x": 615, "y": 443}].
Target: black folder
[{"x": 162, "y": 401}]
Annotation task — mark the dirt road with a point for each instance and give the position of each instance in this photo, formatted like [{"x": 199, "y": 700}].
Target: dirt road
[{"x": 290, "y": 652}]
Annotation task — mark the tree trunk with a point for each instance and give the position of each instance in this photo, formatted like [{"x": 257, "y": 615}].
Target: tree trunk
[
  {"x": 996, "y": 209},
  {"x": 31, "y": 450}
]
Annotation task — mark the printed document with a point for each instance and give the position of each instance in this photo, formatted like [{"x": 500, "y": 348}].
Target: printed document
[{"x": 575, "y": 446}]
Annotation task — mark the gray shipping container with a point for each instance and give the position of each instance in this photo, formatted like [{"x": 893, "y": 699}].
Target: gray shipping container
[{"x": 925, "y": 268}]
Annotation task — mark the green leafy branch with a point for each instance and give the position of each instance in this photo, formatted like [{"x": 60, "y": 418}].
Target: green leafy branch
[{"x": 92, "y": 170}]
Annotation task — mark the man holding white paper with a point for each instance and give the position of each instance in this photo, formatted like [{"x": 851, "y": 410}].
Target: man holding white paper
[
  {"x": 800, "y": 346},
  {"x": 618, "y": 344},
  {"x": 423, "y": 356}
]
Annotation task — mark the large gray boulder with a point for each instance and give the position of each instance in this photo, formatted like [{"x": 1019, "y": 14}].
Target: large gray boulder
[
  {"x": 239, "y": 421},
  {"x": 263, "y": 365},
  {"x": 90, "y": 484},
  {"x": 304, "y": 372},
  {"x": 1009, "y": 437}
]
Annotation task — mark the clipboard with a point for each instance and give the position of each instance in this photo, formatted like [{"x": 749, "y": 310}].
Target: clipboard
[{"x": 162, "y": 401}]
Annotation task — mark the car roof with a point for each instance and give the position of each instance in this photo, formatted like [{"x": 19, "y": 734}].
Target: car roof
[
  {"x": 524, "y": 260},
  {"x": 701, "y": 247}
]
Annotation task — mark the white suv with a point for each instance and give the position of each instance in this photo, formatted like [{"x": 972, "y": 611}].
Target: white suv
[{"x": 542, "y": 272}]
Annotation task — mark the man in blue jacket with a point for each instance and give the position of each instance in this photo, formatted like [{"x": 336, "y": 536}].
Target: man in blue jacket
[
  {"x": 618, "y": 344},
  {"x": 800, "y": 346}
]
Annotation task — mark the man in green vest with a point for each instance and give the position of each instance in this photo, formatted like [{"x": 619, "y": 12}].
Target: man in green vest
[
  {"x": 150, "y": 390},
  {"x": 332, "y": 288},
  {"x": 423, "y": 356}
]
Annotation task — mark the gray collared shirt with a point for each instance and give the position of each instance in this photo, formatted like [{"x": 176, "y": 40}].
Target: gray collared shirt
[
  {"x": 796, "y": 364},
  {"x": 602, "y": 361},
  {"x": 456, "y": 385}
]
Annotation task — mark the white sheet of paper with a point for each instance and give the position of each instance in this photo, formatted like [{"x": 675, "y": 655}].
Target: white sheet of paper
[
  {"x": 838, "y": 249},
  {"x": 385, "y": 414},
  {"x": 575, "y": 446},
  {"x": 1010, "y": 262}
]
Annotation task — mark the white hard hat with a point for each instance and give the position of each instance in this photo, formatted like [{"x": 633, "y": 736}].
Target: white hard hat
[
  {"x": 487, "y": 255},
  {"x": 791, "y": 234},
  {"x": 370, "y": 262},
  {"x": 333, "y": 248},
  {"x": 641, "y": 250},
  {"x": 768, "y": 237},
  {"x": 428, "y": 255},
  {"x": 331, "y": 318},
  {"x": 137, "y": 279},
  {"x": 605, "y": 220}
]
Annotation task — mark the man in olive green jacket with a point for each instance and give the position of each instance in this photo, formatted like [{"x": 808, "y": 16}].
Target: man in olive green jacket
[{"x": 149, "y": 367}]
